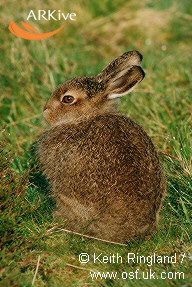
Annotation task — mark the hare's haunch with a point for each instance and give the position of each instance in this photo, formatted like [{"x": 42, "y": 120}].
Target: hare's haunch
[{"x": 103, "y": 168}]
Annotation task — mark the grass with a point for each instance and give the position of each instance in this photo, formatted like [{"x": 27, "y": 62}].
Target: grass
[{"x": 29, "y": 71}]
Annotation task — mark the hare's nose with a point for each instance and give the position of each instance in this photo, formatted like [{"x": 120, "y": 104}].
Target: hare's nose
[
  {"x": 45, "y": 108},
  {"x": 45, "y": 111}
]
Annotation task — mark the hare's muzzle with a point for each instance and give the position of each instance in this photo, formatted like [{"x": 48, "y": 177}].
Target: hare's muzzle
[{"x": 46, "y": 111}]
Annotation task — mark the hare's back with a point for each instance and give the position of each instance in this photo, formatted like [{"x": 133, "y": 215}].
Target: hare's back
[
  {"x": 119, "y": 137},
  {"x": 116, "y": 153}
]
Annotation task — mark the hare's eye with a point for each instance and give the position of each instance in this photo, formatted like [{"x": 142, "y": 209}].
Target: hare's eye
[{"x": 67, "y": 99}]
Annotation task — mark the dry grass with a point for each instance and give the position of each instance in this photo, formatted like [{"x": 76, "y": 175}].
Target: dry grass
[{"x": 143, "y": 23}]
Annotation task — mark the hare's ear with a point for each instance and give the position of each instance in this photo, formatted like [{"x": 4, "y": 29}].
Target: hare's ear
[
  {"x": 121, "y": 75},
  {"x": 125, "y": 83}
]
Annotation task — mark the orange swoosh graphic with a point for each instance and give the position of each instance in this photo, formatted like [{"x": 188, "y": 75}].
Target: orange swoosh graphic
[{"x": 19, "y": 32}]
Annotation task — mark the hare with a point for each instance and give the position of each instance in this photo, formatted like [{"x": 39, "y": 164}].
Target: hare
[{"x": 104, "y": 170}]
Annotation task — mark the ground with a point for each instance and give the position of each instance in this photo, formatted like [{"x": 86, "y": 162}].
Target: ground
[{"x": 31, "y": 239}]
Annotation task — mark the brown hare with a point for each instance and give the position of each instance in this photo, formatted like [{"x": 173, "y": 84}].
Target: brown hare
[{"x": 104, "y": 170}]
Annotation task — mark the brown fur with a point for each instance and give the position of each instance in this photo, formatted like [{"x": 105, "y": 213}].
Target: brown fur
[{"x": 104, "y": 170}]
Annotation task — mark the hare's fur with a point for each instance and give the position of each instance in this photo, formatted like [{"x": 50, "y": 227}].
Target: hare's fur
[{"x": 104, "y": 170}]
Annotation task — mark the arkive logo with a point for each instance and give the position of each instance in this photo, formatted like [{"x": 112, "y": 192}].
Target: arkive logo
[{"x": 29, "y": 32}]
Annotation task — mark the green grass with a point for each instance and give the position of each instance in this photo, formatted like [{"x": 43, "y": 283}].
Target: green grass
[{"x": 162, "y": 104}]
